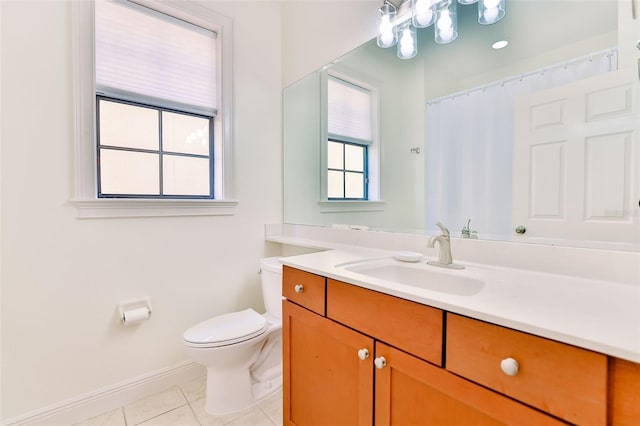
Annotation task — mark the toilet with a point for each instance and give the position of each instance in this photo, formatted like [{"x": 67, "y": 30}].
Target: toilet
[{"x": 242, "y": 351}]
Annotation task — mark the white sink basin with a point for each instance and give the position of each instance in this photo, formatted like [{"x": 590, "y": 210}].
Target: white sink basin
[{"x": 418, "y": 275}]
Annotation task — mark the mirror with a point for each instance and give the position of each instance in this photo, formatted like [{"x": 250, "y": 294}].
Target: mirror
[{"x": 421, "y": 182}]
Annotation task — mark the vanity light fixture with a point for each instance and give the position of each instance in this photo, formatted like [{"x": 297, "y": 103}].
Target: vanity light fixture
[{"x": 397, "y": 24}]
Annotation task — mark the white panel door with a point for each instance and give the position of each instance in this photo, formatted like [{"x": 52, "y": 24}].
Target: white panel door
[{"x": 576, "y": 161}]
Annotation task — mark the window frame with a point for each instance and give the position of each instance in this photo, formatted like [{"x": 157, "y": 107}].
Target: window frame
[
  {"x": 85, "y": 194},
  {"x": 161, "y": 152},
  {"x": 344, "y": 170}
]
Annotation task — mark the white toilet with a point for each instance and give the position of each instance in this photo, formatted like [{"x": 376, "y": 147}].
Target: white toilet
[{"x": 242, "y": 350}]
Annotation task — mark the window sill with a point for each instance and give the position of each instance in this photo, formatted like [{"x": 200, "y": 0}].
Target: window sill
[
  {"x": 117, "y": 208},
  {"x": 338, "y": 206}
]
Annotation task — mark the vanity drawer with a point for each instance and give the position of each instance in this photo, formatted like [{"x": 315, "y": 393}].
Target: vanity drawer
[
  {"x": 304, "y": 288},
  {"x": 563, "y": 380},
  {"x": 407, "y": 325}
]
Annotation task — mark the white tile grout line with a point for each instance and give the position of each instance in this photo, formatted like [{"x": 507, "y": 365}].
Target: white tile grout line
[
  {"x": 195, "y": 416},
  {"x": 267, "y": 416},
  {"x": 164, "y": 412},
  {"x": 271, "y": 420}
]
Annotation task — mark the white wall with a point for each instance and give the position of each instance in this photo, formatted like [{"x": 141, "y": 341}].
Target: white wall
[
  {"x": 315, "y": 33},
  {"x": 628, "y": 34},
  {"x": 62, "y": 277}
]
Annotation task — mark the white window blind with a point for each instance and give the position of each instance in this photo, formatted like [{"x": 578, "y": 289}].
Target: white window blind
[
  {"x": 143, "y": 52},
  {"x": 349, "y": 111}
]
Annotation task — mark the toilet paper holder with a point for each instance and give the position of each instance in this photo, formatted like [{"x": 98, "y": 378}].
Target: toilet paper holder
[{"x": 134, "y": 311}]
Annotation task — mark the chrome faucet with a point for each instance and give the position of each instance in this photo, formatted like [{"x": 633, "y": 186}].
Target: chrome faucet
[
  {"x": 445, "y": 259},
  {"x": 467, "y": 232}
]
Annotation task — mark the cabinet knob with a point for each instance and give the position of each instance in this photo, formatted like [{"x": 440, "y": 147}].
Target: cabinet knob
[
  {"x": 363, "y": 353},
  {"x": 298, "y": 288},
  {"x": 380, "y": 362},
  {"x": 509, "y": 366}
]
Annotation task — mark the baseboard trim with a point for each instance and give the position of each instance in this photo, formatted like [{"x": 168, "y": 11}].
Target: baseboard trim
[{"x": 109, "y": 398}]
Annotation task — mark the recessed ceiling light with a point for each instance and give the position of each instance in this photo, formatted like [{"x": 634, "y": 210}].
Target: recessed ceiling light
[{"x": 499, "y": 44}]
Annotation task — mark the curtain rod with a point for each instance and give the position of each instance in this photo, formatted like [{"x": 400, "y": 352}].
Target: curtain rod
[{"x": 605, "y": 53}]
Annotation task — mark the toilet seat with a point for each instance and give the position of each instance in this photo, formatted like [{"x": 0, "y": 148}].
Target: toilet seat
[{"x": 227, "y": 329}]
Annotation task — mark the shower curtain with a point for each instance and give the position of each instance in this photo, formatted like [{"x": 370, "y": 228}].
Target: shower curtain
[{"x": 469, "y": 147}]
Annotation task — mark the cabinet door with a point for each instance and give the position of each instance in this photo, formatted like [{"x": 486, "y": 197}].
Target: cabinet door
[
  {"x": 325, "y": 382},
  {"x": 624, "y": 393},
  {"x": 410, "y": 391}
]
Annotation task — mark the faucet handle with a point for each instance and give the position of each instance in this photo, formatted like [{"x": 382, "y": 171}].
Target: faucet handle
[{"x": 443, "y": 229}]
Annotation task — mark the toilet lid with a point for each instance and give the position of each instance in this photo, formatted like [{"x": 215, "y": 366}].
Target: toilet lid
[{"x": 227, "y": 329}]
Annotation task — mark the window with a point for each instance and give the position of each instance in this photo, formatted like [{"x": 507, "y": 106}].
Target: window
[
  {"x": 153, "y": 74},
  {"x": 146, "y": 151},
  {"x": 346, "y": 172},
  {"x": 152, "y": 113},
  {"x": 349, "y": 136}
]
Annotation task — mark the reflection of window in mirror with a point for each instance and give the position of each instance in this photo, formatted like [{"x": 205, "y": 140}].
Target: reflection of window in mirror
[
  {"x": 349, "y": 145},
  {"x": 346, "y": 171}
]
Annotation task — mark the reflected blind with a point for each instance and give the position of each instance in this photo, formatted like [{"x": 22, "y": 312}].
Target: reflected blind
[
  {"x": 143, "y": 52},
  {"x": 349, "y": 111}
]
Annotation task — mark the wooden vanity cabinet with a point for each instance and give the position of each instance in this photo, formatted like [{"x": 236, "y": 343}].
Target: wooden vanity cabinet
[{"x": 372, "y": 347}]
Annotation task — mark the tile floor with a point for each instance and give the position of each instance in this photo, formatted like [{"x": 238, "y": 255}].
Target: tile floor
[{"x": 184, "y": 406}]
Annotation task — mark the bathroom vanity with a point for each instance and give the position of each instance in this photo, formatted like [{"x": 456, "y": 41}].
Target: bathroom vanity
[{"x": 356, "y": 353}]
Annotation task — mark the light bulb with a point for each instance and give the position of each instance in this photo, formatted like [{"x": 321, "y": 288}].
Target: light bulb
[
  {"x": 490, "y": 4},
  {"x": 407, "y": 43},
  {"x": 490, "y": 11},
  {"x": 386, "y": 38},
  {"x": 422, "y": 7},
  {"x": 444, "y": 22},
  {"x": 386, "y": 31},
  {"x": 491, "y": 14},
  {"x": 423, "y": 13},
  {"x": 424, "y": 18},
  {"x": 385, "y": 24},
  {"x": 446, "y": 34}
]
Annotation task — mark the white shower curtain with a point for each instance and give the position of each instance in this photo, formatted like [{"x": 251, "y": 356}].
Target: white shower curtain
[{"x": 469, "y": 147}]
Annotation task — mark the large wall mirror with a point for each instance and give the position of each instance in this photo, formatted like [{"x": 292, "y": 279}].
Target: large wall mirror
[{"x": 536, "y": 142}]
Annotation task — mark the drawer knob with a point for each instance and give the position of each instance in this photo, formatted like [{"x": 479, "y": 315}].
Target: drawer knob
[
  {"x": 509, "y": 366},
  {"x": 363, "y": 353},
  {"x": 298, "y": 288},
  {"x": 380, "y": 362}
]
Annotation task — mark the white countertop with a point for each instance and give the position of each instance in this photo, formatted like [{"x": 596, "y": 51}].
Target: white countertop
[{"x": 599, "y": 315}]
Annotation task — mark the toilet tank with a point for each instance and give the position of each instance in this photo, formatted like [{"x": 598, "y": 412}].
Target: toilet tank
[{"x": 271, "y": 281}]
